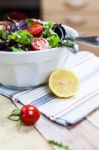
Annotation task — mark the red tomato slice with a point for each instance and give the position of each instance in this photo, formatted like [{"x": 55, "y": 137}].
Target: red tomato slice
[
  {"x": 36, "y": 29},
  {"x": 39, "y": 44},
  {"x": 29, "y": 114}
]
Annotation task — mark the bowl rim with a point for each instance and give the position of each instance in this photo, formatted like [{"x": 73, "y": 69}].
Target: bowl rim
[{"x": 32, "y": 52}]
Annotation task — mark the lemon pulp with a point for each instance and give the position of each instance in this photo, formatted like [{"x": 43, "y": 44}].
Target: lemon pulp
[{"x": 63, "y": 83}]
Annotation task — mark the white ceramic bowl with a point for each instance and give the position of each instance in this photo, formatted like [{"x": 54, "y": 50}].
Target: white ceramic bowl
[{"x": 23, "y": 69}]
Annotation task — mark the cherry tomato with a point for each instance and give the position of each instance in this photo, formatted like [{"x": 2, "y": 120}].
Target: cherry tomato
[
  {"x": 36, "y": 29},
  {"x": 39, "y": 44},
  {"x": 29, "y": 114}
]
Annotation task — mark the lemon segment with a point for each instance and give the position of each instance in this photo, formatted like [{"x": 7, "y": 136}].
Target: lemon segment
[{"x": 63, "y": 83}]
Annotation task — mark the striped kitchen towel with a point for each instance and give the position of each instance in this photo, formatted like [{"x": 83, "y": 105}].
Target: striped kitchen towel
[{"x": 64, "y": 111}]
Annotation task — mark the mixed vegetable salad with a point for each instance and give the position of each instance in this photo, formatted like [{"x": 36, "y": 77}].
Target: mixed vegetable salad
[{"x": 31, "y": 35}]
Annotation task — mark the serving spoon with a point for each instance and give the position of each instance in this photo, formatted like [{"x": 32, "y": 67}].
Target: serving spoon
[{"x": 90, "y": 40}]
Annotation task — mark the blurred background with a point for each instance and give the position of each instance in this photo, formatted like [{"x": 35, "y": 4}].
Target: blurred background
[
  {"x": 83, "y": 15},
  {"x": 20, "y": 8},
  {"x": 80, "y": 14}
]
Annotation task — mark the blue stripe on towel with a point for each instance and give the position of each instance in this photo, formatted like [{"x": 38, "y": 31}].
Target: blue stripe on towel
[{"x": 42, "y": 100}]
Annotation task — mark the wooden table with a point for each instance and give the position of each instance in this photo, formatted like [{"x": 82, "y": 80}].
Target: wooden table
[{"x": 16, "y": 136}]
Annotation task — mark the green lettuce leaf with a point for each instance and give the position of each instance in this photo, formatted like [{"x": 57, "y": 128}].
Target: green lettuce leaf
[{"x": 22, "y": 37}]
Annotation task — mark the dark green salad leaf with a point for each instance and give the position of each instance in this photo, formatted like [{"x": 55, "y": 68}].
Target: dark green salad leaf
[
  {"x": 29, "y": 22},
  {"x": 15, "y": 49},
  {"x": 67, "y": 43},
  {"x": 53, "y": 40},
  {"x": 22, "y": 36},
  {"x": 47, "y": 29},
  {"x": 3, "y": 34},
  {"x": 50, "y": 35},
  {"x": 48, "y": 25},
  {"x": 59, "y": 145}
]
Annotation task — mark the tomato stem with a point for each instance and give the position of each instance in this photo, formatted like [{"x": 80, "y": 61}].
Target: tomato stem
[{"x": 15, "y": 115}]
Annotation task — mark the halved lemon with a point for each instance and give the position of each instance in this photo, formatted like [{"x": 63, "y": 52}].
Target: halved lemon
[{"x": 63, "y": 83}]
